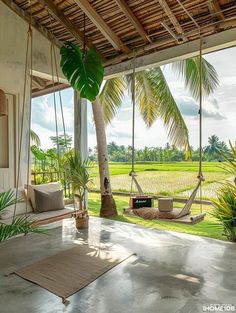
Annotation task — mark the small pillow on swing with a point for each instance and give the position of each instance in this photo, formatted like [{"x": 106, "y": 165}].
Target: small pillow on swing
[
  {"x": 55, "y": 186},
  {"x": 48, "y": 201}
]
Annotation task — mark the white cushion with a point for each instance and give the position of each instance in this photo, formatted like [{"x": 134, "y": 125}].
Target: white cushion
[
  {"x": 44, "y": 187},
  {"x": 20, "y": 207},
  {"x": 46, "y": 215}
]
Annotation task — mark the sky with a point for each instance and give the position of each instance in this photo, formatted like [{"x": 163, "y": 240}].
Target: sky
[{"x": 219, "y": 111}]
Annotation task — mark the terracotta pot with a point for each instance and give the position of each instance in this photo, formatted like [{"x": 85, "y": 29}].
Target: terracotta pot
[{"x": 81, "y": 222}]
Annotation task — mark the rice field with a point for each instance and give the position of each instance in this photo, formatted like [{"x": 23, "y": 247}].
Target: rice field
[{"x": 176, "y": 179}]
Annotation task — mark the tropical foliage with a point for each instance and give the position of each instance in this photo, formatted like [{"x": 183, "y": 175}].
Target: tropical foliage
[
  {"x": 78, "y": 175},
  {"x": 169, "y": 153},
  {"x": 154, "y": 98},
  {"x": 20, "y": 225},
  {"x": 225, "y": 210},
  {"x": 84, "y": 71},
  {"x": 230, "y": 165},
  {"x": 215, "y": 149},
  {"x": 225, "y": 206}
]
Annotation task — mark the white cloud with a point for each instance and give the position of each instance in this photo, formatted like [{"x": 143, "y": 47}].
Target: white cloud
[{"x": 219, "y": 111}]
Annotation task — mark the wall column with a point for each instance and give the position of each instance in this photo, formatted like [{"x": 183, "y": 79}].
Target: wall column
[{"x": 80, "y": 125}]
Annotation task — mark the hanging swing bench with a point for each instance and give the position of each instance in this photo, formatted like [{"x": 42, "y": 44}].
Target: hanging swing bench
[
  {"x": 165, "y": 210},
  {"x": 27, "y": 194}
]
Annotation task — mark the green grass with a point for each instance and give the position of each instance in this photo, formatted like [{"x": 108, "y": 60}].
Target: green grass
[
  {"x": 188, "y": 166},
  {"x": 208, "y": 228}
]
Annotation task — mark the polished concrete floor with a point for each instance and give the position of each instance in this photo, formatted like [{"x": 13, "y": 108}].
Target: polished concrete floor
[{"x": 172, "y": 272}]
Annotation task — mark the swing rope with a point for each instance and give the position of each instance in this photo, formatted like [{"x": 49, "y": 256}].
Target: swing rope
[
  {"x": 29, "y": 121},
  {"x": 28, "y": 59},
  {"x": 132, "y": 173},
  {"x": 60, "y": 97},
  {"x": 55, "y": 114},
  {"x": 200, "y": 173}
]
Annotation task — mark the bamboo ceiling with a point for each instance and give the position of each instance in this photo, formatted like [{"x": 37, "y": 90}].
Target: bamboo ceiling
[{"x": 118, "y": 27}]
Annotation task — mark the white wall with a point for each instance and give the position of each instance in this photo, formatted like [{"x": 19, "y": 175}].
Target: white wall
[{"x": 13, "y": 36}]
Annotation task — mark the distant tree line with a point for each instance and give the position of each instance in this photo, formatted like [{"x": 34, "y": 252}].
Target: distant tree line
[{"x": 214, "y": 151}]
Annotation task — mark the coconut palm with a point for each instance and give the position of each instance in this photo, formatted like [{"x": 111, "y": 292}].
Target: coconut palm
[
  {"x": 153, "y": 97},
  {"x": 213, "y": 150}
]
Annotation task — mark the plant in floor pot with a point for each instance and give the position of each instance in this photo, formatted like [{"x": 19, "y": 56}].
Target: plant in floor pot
[{"x": 79, "y": 176}]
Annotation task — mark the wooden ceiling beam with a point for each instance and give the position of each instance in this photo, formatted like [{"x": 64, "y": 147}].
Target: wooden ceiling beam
[
  {"x": 133, "y": 19},
  {"x": 215, "y": 9},
  {"x": 63, "y": 20},
  {"x": 26, "y": 17},
  {"x": 171, "y": 17},
  {"x": 102, "y": 26}
]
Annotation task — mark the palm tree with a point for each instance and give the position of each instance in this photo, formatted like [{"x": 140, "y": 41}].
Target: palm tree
[
  {"x": 213, "y": 150},
  {"x": 153, "y": 97},
  {"x": 34, "y": 138}
]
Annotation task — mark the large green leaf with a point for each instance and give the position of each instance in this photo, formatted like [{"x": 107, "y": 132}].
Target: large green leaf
[
  {"x": 84, "y": 74},
  {"x": 38, "y": 153},
  {"x": 21, "y": 225}
]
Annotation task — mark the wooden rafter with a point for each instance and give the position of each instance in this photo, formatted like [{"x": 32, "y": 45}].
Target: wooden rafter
[
  {"x": 60, "y": 17},
  {"x": 171, "y": 16},
  {"x": 133, "y": 19},
  {"x": 26, "y": 17},
  {"x": 102, "y": 26},
  {"x": 215, "y": 10}
]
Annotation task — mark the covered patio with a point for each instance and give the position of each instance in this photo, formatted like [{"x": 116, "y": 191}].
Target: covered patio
[
  {"x": 166, "y": 271},
  {"x": 170, "y": 272}
]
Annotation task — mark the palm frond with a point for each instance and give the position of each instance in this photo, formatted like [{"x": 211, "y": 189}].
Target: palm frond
[
  {"x": 225, "y": 209},
  {"x": 111, "y": 97},
  {"x": 7, "y": 199},
  {"x": 145, "y": 96},
  {"x": 21, "y": 225},
  {"x": 78, "y": 171},
  {"x": 189, "y": 70},
  {"x": 155, "y": 100},
  {"x": 35, "y": 140}
]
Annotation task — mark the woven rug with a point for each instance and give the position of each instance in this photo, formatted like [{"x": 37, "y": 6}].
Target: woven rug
[{"x": 69, "y": 271}]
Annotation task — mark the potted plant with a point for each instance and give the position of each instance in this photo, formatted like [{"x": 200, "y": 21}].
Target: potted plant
[
  {"x": 20, "y": 224},
  {"x": 78, "y": 175}
]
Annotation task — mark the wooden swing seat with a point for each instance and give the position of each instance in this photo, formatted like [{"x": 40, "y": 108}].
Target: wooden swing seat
[
  {"x": 155, "y": 214},
  {"x": 45, "y": 218}
]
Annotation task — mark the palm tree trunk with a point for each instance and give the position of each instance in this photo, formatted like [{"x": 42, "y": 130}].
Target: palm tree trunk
[{"x": 108, "y": 205}]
